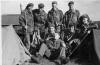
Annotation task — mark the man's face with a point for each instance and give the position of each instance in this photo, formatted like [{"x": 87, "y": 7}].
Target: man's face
[
  {"x": 72, "y": 29},
  {"x": 41, "y": 9},
  {"x": 54, "y": 6},
  {"x": 31, "y": 7},
  {"x": 52, "y": 29},
  {"x": 71, "y": 6},
  {"x": 85, "y": 21}
]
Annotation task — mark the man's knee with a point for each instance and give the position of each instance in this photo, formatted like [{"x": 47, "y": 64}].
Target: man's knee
[
  {"x": 43, "y": 49},
  {"x": 62, "y": 52}
]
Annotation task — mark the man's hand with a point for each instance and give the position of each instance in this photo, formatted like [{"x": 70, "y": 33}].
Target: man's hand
[
  {"x": 89, "y": 32},
  {"x": 38, "y": 36},
  {"x": 64, "y": 45},
  {"x": 26, "y": 27},
  {"x": 75, "y": 41}
]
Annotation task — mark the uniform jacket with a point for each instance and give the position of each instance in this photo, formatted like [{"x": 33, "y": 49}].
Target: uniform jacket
[
  {"x": 53, "y": 43},
  {"x": 40, "y": 17},
  {"x": 26, "y": 18},
  {"x": 85, "y": 28},
  {"x": 55, "y": 17},
  {"x": 68, "y": 35},
  {"x": 71, "y": 18}
]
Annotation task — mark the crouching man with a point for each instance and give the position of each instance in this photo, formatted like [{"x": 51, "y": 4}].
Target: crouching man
[{"x": 53, "y": 45}]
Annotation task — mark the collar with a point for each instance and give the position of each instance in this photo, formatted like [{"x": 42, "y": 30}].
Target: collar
[{"x": 54, "y": 10}]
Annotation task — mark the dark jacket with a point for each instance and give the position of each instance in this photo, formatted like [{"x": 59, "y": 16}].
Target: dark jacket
[
  {"x": 68, "y": 35},
  {"x": 52, "y": 43},
  {"x": 71, "y": 18},
  {"x": 40, "y": 18},
  {"x": 55, "y": 17},
  {"x": 26, "y": 18}
]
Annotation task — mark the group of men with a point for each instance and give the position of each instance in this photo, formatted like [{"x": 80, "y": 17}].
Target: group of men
[{"x": 49, "y": 27}]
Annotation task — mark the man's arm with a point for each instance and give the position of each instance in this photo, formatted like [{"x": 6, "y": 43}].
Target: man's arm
[
  {"x": 49, "y": 19},
  {"x": 65, "y": 24},
  {"x": 63, "y": 44},
  {"x": 22, "y": 19},
  {"x": 61, "y": 16},
  {"x": 78, "y": 15}
]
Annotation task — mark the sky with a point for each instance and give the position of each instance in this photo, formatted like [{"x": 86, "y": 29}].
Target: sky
[{"x": 90, "y": 7}]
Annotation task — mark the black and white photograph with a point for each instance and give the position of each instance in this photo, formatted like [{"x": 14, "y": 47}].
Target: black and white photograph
[{"x": 50, "y": 32}]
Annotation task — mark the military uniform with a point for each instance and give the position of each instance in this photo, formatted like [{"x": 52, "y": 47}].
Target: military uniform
[
  {"x": 55, "y": 17},
  {"x": 27, "y": 22},
  {"x": 71, "y": 18},
  {"x": 86, "y": 33},
  {"x": 52, "y": 46},
  {"x": 26, "y": 19},
  {"x": 68, "y": 35},
  {"x": 40, "y": 19}
]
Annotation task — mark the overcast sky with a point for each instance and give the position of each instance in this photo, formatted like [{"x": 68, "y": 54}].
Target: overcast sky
[{"x": 91, "y": 7}]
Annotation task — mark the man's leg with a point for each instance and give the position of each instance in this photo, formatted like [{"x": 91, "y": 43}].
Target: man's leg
[
  {"x": 63, "y": 57},
  {"x": 62, "y": 52},
  {"x": 43, "y": 49},
  {"x": 28, "y": 41}
]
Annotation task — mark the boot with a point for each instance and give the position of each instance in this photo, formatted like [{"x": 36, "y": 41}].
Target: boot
[
  {"x": 64, "y": 60},
  {"x": 37, "y": 59},
  {"x": 58, "y": 61}
]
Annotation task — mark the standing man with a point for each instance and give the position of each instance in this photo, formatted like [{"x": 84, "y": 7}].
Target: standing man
[
  {"x": 55, "y": 16},
  {"x": 27, "y": 22},
  {"x": 40, "y": 19},
  {"x": 71, "y": 16}
]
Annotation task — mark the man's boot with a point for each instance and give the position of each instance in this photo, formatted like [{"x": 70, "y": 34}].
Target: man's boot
[
  {"x": 64, "y": 60},
  {"x": 37, "y": 59}
]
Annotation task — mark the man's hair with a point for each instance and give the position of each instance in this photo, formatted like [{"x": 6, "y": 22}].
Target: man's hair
[
  {"x": 51, "y": 25},
  {"x": 71, "y": 2},
  {"x": 41, "y": 5},
  {"x": 54, "y": 2},
  {"x": 82, "y": 17},
  {"x": 72, "y": 25},
  {"x": 29, "y": 5}
]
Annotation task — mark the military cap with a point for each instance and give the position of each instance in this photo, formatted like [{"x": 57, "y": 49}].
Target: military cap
[
  {"x": 71, "y": 25},
  {"x": 51, "y": 25},
  {"x": 54, "y": 2},
  {"x": 71, "y": 2},
  {"x": 84, "y": 16},
  {"x": 41, "y": 5},
  {"x": 30, "y": 4}
]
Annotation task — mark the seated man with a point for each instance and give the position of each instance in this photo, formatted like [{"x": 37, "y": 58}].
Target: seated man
[
  {"x": 86, "y": 27},
  {"x": 70, "y": 34},
  {"x": 52, "y": 44}
]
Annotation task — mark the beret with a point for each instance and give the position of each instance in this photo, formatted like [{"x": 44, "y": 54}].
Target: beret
[
  {"x": 85, "y": 16},
  {"x": 30, "y": 4},
  {"x": 41, "y": 5},
  {"x": 54, "y": 2},
  {"x": 71, "y": 2},
  {"x": 70, "y": 25},
  {"x": 51, "y": 25}
]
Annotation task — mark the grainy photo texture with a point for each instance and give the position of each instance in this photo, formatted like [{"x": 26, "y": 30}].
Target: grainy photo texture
[{"x": 50, "y": 32}]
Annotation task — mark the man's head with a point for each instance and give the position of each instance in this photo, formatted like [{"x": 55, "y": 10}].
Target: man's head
[
  {"x": 71, "y": 5},
  {"x": 30, "y": 6},
  {"x": 72, "y": 28},
  {"x": 41, "y": 6},
  {"x": 54, "y": 5},
  {"x": 57, "y": 36},
  {"x": 52, "y": 29},
  {"x": 85, "y": 19}
]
